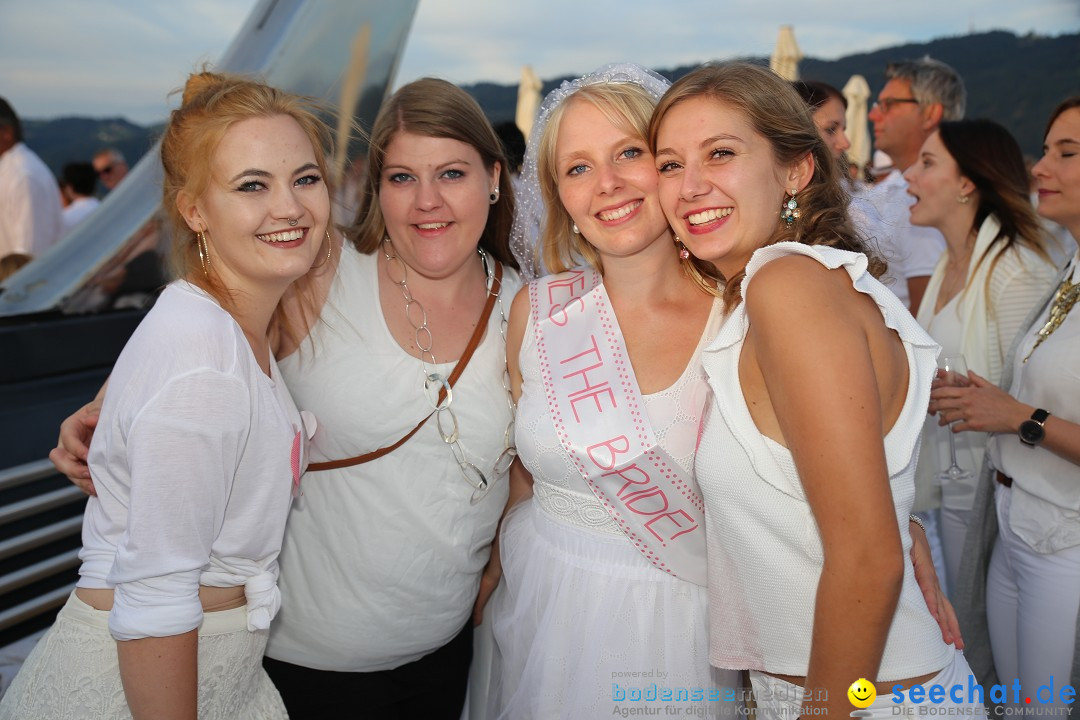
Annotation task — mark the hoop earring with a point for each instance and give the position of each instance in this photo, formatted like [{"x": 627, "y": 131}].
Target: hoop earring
[
  {"x": 204, "y": 253},
  {"x": 329, "y": 249},
  {"x": 494, "y": 196},
  {"x": 789, "y": 211}
]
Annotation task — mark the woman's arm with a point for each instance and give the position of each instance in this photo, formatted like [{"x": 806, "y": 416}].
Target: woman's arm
[
  {"x": 520, "y": 479},
  {"x": 160, "y": 676},
  {"x": 984, "y": 407},
  {"x": 794, "y": 302},
  {"x": 73, "y": 446}
]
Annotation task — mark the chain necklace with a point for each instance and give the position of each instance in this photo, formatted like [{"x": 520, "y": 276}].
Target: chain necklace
[
  {"x": 445, "y": 420},
  {"x": 1066, "y": 296}
]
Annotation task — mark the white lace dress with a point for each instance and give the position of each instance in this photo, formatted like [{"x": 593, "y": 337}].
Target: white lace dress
[{"x": 581, "y": 616}]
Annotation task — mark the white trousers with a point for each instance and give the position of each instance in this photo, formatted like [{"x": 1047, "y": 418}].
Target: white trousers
[{"x": 1032, "y": 600}]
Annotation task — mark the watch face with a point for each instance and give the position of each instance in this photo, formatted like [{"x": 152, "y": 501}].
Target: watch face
[{"x": 1031, "y": 432}]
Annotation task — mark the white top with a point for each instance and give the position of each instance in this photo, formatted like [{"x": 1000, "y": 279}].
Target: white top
[
  {"x": 29, "y": 203},
  {"x": 558, "y": 488},
  {"x": 382, "y": 561},
  {"x": 765, "y": 552},
  {"x": 77, "y": 211},
  {"x": 910, "y": 250},
  {"x": 1045, "y": 509},
  {"x": 194, "y": 460},
  {"x": 980, "y": 323}
]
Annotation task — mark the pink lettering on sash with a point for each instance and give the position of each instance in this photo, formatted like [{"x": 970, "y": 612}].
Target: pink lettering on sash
[{"x": 600, "y": 420}]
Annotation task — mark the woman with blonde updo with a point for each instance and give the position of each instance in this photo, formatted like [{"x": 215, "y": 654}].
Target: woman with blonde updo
[{"x": 199, "y": 447}]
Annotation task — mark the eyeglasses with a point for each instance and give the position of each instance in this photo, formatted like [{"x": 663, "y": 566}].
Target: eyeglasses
[
  {"x": 887, "y": 104},
  {"x": 105, "y": 170}
]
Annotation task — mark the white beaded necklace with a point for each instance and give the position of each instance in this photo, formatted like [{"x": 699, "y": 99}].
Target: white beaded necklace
[{"x": 445, "y": 419}]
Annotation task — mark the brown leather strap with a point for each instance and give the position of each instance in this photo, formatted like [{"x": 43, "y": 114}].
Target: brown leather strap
[{"x": 474, "y": 342}]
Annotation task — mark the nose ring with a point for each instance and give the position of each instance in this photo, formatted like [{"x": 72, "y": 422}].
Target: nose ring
[{"x": 293, "y": 221}]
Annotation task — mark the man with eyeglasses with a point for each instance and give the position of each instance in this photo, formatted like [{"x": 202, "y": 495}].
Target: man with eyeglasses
[
  {"x": 29, "y": 195},
  {"x": 110, "y": 167},
  {"x": 918, "y": 95}
]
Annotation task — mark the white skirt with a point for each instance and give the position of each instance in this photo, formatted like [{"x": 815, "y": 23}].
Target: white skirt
[
  {"x": 583, "y": 625},
  {"x": 73, "y": 671}
]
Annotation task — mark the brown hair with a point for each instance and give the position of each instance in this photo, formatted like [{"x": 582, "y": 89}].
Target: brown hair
[
  {"x": 212, "y": 103},
  {"x": 778, "y": 114},
  {"x": 439, "y": 109},
  {"x": 1066, "y": 104},
  {"x": 988, "y": 155}
]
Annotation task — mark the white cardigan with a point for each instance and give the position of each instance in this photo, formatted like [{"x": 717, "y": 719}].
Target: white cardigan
[{"x": 991, "y": 314}]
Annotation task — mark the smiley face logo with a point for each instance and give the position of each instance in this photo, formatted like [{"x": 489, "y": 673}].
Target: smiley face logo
[{"x": 862, "y": 693}]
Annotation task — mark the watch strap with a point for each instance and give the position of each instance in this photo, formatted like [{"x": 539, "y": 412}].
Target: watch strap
[{"x": 1040, "y": 416}]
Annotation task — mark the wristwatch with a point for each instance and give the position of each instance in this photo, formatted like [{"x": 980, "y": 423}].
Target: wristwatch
[{"x": 1033, "y": 431}]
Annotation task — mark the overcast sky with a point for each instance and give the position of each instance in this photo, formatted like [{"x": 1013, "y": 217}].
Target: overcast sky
[{"x": 107, "y": 58}]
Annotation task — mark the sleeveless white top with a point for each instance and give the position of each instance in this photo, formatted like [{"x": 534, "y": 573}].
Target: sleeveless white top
[
  {"x": 558, "y": 487},
  {"x": 765, "y": 552}
]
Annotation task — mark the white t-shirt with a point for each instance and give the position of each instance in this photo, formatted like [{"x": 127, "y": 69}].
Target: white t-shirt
[
  {"x": 29, "y": 203},
  {"x": 910, "y": 250},
  {"x": 77, "y": 211},
  {"x": 194, "y": 460},
  {"x": 382, "y": 561}
]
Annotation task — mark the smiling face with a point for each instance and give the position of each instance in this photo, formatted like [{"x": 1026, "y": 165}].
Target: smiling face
[
  {"x": 862, "y": 693},
  {"x": 937, "y": 184},
  {"x": 831, "y": 121},
  {"x": 1057, "y": 174},
  {"x": 720, "y": 184},
  {"x": 434, "y": 197},
  {"x": 263, "y": 173},
  {"x": 607, "y": 181}
]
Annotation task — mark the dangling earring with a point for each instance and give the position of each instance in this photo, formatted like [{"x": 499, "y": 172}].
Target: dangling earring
[
  {"x": 494, "y": 196},
  {"x": 789, "y": 211},
  {"x": 204, "y": 252},
  {"x": 684, "y": 254},
  {"x": 963, "y": 199},
  {"x": 329, "y": 248},
  {"x": 576, "y": 231}
]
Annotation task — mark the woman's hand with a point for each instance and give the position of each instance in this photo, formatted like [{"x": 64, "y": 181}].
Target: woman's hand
[
  {"x": 926, "y": 577},
  {"x": 69, "y": 455},
  {"x": 980, "y": 406}
]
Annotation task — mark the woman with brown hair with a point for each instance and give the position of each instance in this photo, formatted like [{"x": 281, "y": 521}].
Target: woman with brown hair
[
  {"x": 199, "y": 447},
  {"x": 384, "y": 557},
  {"x": 970, "y": 183},
  {"x": 821, "y": 379}
]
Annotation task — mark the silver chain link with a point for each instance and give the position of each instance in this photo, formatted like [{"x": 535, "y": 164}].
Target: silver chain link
[{"x": 446, "y": 421}]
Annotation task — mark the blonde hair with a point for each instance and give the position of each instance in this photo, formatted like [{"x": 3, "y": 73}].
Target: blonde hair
[
  {"x": 776, "y": 112},
  {"x": 627, "y": 106},
  {"x": 212, "y": 103},
  {"x": 438, "y": 109}
]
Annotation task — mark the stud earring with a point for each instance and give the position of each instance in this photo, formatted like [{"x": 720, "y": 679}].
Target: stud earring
[
  {"x": 789, "y": 211},
  {"x": 963, "y": 199},
  {"x": 576, "y": 231},
  {"x": 204, "y": 252},
  {"x": 494, "y": 196}
]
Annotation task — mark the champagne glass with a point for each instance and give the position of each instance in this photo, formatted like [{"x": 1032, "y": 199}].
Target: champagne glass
[{"x": 953, "y": 373}]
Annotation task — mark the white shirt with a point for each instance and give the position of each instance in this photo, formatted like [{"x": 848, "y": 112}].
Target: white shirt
[
  {"x": 77, "y": 211},
  {"x": 194, "y": 460},
  {"x": 29, "y": 203},
  {"x": 382, "y": 561},
  {"x": 1045, "y": 509},
  {"x": 910, "y": 250}
]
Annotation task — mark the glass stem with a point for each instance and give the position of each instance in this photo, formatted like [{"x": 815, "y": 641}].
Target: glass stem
[{"x": 952, "y": 448}]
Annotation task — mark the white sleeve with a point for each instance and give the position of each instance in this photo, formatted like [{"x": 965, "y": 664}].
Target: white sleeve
[
  {"x": 1017, "y": 284},
  {"x": 183, "y": 449}
]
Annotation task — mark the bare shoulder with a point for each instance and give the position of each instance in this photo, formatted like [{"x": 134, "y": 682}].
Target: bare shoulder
[{"x": 795, "y": 286}]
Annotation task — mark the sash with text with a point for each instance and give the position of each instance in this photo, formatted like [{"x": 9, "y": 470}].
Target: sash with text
[{"x": 600, "y": 420}]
